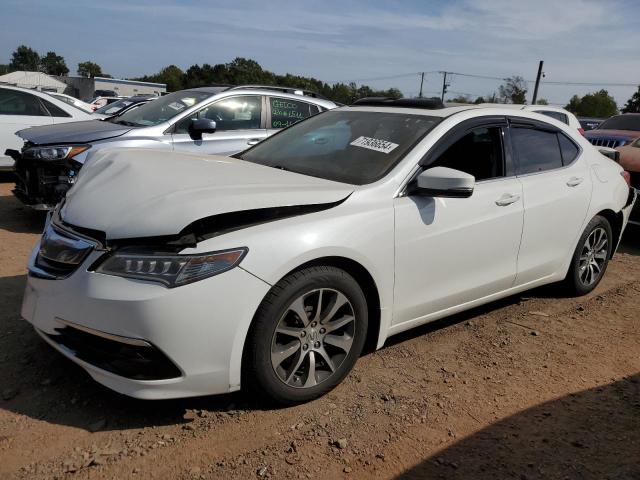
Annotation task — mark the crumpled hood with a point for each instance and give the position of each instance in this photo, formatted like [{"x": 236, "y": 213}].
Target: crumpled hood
[
  {"x": 72, "y": 132},
  {"x": 128, "y": 193}
]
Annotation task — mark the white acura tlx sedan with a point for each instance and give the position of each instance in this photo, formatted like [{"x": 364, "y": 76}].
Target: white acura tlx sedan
[{"x": 170, "y": 275}]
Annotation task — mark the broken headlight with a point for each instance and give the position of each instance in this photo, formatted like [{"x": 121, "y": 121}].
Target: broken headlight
[
  {"x": 172, "y": 270},
  {"x": 60, "y": 152}
]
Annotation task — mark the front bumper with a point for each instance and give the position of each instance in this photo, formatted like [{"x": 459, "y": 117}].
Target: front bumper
[
  {"x": 41, "y": 185},
  {"x": 198, "y": 328}
]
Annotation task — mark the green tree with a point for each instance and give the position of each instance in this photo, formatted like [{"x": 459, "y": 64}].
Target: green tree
[
  {"x": 597, "y": 104},
  {"x": 4, "y": 68},
  {"x": 170, "y": 75},
  {"x": 244, "y": 71},
  {"x": 90, "y": 69},
  {"x": 460, "y": 99},
  {"x": 633, "y": 104},
  {"x": 542, "y": 101},
  {"x": 479, "y": 100},
  {"x": 25, "y": 58},
  {"x": 513, "y": 90},
  {"x": 53, "y": 64}
]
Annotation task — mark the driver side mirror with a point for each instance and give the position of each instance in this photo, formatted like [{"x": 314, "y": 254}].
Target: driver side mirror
[
  {"x": 443, "y": 182},
  {"x": 199, "y": 126}
]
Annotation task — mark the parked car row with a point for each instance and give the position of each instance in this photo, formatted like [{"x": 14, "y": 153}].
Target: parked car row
[
  {"x": 167, "y": 271},
  {"x": 21, "y": 108},
  {"x": 208, "y": 120}
]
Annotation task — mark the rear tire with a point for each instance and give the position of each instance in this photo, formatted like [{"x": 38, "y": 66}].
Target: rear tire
[
  {"x": 306, "y": 336},
  {"x": 591, "y": 257}
]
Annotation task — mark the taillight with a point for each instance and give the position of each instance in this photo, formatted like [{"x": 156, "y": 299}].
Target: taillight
[
  {"x": 627, "y": 177},
  {"x": 581, "y": 130}
]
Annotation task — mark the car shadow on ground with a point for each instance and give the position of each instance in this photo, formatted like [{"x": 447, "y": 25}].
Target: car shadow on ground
[
  {"x": 590, "y": 434},
  {"x": 631, "y": 240},
  {"x": 40, "y": 383},
  {"x": 18, "y": 218}
]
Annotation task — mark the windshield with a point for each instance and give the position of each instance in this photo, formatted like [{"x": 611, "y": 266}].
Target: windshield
[
  {"x": 349, "y": 147},
  {"x": 162, "y": 109},
  {"x": 68, "y": 101},
  {"x": 622, "y": 122},
  {"x": 115, "y": 107}
]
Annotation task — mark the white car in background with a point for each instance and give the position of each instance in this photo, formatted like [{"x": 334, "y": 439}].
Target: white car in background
[
  {"x": 76, "y": 102},
  {"x": 100, "y": 102},
  {"x": 166, "y": 274},
  {"x": 558, "y": 113},
  {"x": 21, "y": 108}
]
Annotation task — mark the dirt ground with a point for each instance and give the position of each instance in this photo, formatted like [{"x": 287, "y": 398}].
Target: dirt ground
[{"x": 534, "y": 386}]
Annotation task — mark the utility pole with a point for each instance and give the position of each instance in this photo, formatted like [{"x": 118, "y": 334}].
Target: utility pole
[
  {"x": 421, "y": 82},
  {"x": 444, "y": 84},
  {"x": 535, "y": 90}
]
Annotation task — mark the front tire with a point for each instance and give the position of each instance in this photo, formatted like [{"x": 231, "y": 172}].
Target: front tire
[
  {"x": 307, "y": 335},
  {"x": 591, "y": 257}
]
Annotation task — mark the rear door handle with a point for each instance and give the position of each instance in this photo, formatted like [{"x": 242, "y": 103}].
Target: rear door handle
[
  {"x": 253, "y": 141},
  {"x": 574, "y": 181},
  {"x": 507, "y": 199}
]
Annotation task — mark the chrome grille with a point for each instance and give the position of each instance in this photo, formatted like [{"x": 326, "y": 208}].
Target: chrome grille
[{"x": 607, "y": 142}]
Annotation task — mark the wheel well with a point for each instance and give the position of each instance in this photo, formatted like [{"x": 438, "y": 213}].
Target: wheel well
[
  {"x": 369, "y": 288},
  {"x": 615, "y": 220}
]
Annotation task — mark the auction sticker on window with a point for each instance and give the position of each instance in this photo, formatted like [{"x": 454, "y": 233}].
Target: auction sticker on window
[{"x": 374, "y": 144}]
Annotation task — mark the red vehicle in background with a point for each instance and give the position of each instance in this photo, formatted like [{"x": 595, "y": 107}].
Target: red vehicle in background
[{"x": 630, "y": 161}]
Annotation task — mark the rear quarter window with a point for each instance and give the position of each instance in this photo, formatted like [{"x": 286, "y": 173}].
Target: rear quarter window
[
  {"x": 537, "y": 150},
  {"x": 286, "y": 112},
  {"x": 568, "y": 149}
]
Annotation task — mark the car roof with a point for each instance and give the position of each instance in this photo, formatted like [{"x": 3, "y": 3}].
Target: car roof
[
  {"x": 436, "y": 112},
  {"x": 285, "y": 92},
  {"x": 494, "y": 110}
]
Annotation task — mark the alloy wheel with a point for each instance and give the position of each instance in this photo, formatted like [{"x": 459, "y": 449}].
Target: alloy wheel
[
  {"x": 313, "y": 337},
  {"x": 593, "y": 256}
]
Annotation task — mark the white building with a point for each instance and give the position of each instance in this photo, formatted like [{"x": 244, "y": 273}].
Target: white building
[{"x": 37, "y": 80}]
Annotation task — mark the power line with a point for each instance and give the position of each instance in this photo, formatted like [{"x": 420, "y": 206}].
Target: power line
[
  {"x": 402, "y": 75},
  {"x": 488, "y": 77}
]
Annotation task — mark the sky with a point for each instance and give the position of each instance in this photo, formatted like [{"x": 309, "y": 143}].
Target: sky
[{"x": 381, "y": 44}]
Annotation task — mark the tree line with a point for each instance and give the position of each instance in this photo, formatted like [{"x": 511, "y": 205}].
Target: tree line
[
  {"x": 598, "y": 104},
  {"x": 27, "y": 59},
  {"x": 244, "y": 71}
]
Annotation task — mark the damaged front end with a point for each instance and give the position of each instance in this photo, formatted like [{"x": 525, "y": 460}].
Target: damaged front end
[
  {"x": 44, "y": 174},
  {"x": 64, "y": 247}
]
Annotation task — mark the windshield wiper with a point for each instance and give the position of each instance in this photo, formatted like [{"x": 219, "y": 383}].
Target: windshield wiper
[
  {"x": 280, "y": 167},
  {"x": 124, "y": 122}
]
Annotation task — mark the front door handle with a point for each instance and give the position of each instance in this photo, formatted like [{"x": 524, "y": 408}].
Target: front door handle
[
  {"x": 507, "y": 199},
  {"x": 574, "y": 181},
  {"x": 253, "y": 141}
]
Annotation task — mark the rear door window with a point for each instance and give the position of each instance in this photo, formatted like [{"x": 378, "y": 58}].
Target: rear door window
[
  {"x": 14, "y": 102},
  {"x": 537, "y": 150},
  {"x": 285, "y": 112}
]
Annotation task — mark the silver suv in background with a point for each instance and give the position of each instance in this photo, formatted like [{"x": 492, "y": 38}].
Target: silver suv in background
[{"x": 208, "y": 120}]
